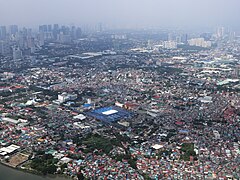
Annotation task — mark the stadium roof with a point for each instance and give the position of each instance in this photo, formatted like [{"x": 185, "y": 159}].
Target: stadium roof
[{"x": 110, "y": 114}]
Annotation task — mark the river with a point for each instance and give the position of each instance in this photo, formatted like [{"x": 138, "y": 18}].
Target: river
[{"x": 7, "y": 173}]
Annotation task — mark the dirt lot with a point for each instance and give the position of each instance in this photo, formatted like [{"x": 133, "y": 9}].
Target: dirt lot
[{"x": 17, "y": 159}]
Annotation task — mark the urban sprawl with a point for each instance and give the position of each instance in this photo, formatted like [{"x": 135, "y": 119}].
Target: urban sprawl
[{"x": 129, "y": 104}]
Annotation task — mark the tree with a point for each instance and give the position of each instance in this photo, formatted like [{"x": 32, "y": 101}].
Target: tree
[
  {"x": 133, "y": 163},
  {"x": 80, "y": 176}
]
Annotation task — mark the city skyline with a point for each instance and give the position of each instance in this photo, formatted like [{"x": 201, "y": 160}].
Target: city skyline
[
  {"x": 122, "y": 14},
  {"x": 119, "y": 89}
]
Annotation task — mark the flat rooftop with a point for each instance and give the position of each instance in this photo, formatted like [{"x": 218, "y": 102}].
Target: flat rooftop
[{"x": 110, "y": 114}]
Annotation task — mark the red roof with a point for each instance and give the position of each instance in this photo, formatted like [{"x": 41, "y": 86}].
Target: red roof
[
  {"x": 179, "y": 123},
  {"x": 128, "y": 104}
]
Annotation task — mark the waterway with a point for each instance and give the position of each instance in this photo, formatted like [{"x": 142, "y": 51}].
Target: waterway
[{"x": 7, "y": 173}]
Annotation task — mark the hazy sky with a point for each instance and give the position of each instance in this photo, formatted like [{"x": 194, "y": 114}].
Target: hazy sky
[{"x": 122, "y": 13}]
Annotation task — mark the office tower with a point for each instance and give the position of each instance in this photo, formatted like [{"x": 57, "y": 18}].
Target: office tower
[
  {"x": 17, "y": 53},
  {"x": 24, "y": 32},
  {"x": 64, "y": 38},
  {"x": 3, "y": 32},
  {"x": 49, "y": 28},
  {"x": 13, "y": 29},
  {"x": 20, "y": 39},
  {"x": 55, "y": 31},
  {"x": 48, "y": 36},
  {"x": 178, "y": 39},
  {"x": 30, "y": 42},
  {"x": 78, "y": 33},
  {"x": 232, "y": 36},
  {"x": 41, "y": 39},
  {"x": 43, "y": 28},
  {"x": 5, "y": 48},
  {"x": 45, "y": 32},
  {"x": 206, "y": 36},
  {"x": 55, "y": 27},
  {"x": 184, "y": 38},
  {"x": 65, "y": 30},
  {"x": 73, "y": 32},
  {"x": 220, "y": 32},
  {"x": 40, "y": 28}
]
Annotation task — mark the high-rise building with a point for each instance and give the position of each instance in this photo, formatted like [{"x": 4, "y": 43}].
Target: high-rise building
[
  {"x": 22, "y": 38},
  {"x": 24, "y": 31},
  {"x": 200, "y": 42},
  {"x": 55, "y": 27},
  {"x": 73, "y": 32},
  {"x": 17, "y": 53},
  {"x": 184, "y": 38},
  {"x": 55, "y": 31},
  {"x": 232, "y": 36},
  {"x": 43, "y": 28},
  {"x": 30, "y": 42},
  {"x": 64, "y": 38},
  {"x": 78, "y": 33},
  {"x": 206, "y": 36},
  {"x": 220, "y": 32},
  {"x": 29, "y": 32},
  {"x": 13, "y": 29},
  {"x": 49, "y": 28},
  {"x": 170, "y": 44},
  {"x": 41, "y": 39},
  {"x": 5, "y": 48},
  {"x": 3, "y": 32},
  {"x": 65, "y": 30},
  {"x": 178, "y": 39}
]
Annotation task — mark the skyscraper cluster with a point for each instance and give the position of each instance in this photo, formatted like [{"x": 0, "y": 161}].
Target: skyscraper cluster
[{"x": 27, "y": 40}]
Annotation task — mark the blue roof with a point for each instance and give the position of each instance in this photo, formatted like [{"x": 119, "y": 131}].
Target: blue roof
[
  {"x": 183, "y": 131},
  {"x": 109, "y": 118},
  {"x": 87, "y": 105}
]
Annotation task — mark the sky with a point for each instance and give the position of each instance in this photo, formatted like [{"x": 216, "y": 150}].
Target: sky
[{"x": 122, "y": 13}]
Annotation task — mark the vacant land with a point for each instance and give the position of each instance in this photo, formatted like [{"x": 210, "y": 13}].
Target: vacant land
[{"x": 17, "y": 159}]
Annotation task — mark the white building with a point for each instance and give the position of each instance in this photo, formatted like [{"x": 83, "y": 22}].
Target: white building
[
  {"x": 170, "y": 44},
  {"x": 200, "y": 42},
  {"x": 8, "y": 150},
  {"x": 66, "y": 97}
]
